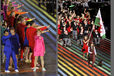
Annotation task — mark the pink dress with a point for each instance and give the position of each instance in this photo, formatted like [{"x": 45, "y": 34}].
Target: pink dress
[{"x": 39, "y": 47}]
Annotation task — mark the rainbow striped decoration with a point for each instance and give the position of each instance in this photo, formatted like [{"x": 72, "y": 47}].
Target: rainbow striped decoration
[{"x": 71, "y": 62}]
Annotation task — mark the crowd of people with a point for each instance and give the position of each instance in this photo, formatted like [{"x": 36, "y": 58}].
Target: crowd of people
[
  {"x": 78, "y": 24},
  {"x": 21, "y": 37}
]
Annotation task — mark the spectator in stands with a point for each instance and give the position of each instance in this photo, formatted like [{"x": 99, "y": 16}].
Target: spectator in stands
[{"x": 66, "y": 39}]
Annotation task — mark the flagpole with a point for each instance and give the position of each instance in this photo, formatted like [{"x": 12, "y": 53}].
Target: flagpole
[
  {"x": 92, "y": 30},
  {"x": 91, "y": 33}
]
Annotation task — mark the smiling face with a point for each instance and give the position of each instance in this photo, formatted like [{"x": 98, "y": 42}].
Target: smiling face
[
  {"x": 85, "y": 37},
  {"x": 12, "y": 31},
  {"x": 6, "y": 33}
]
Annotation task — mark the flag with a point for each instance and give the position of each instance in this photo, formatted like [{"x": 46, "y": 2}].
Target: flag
[{"x": 99, "y": 22}]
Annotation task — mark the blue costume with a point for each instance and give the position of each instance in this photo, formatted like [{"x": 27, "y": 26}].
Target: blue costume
[
  {"x": 15, "y": 43},
  {"x": 26, "y": 43},
  {"x": 8, "y": 51}
]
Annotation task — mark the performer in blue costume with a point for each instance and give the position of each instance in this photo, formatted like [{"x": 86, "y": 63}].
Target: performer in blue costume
[
  {"x": 6, "y": 39},
  {"x": 15, "y": 45}
]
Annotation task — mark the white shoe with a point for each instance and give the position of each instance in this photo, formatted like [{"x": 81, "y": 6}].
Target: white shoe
[
  {"x": 43, "y": 69},
  {"x": 7, "y": 71},
  {"x": 16, "y": 70},
  {"x": 34, "y": 69}
]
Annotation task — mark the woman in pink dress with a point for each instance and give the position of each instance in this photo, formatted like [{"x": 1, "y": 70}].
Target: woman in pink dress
[{"x": 39, "y": 49}]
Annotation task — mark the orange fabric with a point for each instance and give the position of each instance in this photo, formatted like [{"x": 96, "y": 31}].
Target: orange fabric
[
  {"x": 20, "y": 12},
  {"x": 9, "y": 12}
]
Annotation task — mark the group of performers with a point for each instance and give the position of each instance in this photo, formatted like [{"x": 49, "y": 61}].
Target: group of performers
[
  {"x": 21, "y": 37},
  {"x": 80, "y": 26}
]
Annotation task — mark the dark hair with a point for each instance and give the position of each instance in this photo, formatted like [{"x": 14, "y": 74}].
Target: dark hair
[
  {"x": 12, "y": 28},
  {"x": 16, "y": 15},
  {"x": 31, "y": 22},
  {"x": 20, "y": 17},
  {"x": 27, "y": 23},
  {"x": 12, "y": 8},
  {"x": 3, "y": 24},
  {"x": 39, "y": 31},
  {"x": 6, "y": 31},
  {"x": 11, "y": 13}
]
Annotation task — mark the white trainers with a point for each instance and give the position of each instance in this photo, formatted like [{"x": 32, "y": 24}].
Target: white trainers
[
  {"x": 16, "y": 70},
  {"x": 34, "y": 69},
  {"x": 43, "y": 69},
  {"x": 7, "y": 71}
]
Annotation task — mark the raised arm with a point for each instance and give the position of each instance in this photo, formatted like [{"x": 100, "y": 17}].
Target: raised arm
[
  {"x": 20, "y": 6},
  {"x": 20, "y": 13},
  {"x": 30, "y": 19},
  {"x": 4, "y": 38},
  {"x": 86, "y": 41},
  {"x": 45, "y": 31},
  {"x": 40, "y": 27}
]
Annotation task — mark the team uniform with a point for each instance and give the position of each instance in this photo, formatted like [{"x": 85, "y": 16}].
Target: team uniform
[
  {"x": 92, "y": 53},
  {"x": 8, "y": 51},
  {"x": 85, "y": 48}
]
